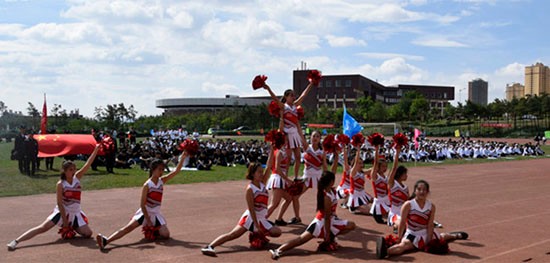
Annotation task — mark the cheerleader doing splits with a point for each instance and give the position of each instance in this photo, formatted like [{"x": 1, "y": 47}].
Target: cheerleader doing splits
[
  {"x": 416, "y": 228},
  {"x": 149, "y": 213},
  {"x": 292, "y": 127},
  {"x": 68, "y": 212},
  {"x": 326, "y": 224},
  {"x": 255, "y": 218}
]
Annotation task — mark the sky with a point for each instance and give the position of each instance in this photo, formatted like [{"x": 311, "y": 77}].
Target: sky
[{"x": 86, "y": 54}]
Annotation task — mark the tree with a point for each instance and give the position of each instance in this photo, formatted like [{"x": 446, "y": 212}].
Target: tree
[
  {"x": 3, "y": 108},
  {"x": 32, "y": 111},
  {"x": 419, "y": 109}
]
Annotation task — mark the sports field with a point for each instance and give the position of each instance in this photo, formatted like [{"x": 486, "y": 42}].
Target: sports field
[{"x": 502, "y": 205}]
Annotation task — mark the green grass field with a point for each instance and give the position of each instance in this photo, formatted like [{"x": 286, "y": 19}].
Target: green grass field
[{"x": 12, "y": 183}]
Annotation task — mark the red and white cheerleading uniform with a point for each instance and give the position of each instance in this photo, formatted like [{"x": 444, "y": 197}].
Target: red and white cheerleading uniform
[
  {"x": 357, "y": 194},
  {"x": 154, "y": 200},
  {"x": 276, "y": 181},
  {"x": 261, "y": 198},
  {"x": 343, "y": 188},
  {"x": 292, "y": 124},
  {"x": 313, "y": 167},
  {"x": 317, "y": 226},
  {"x": 417, "y": 224},
  {"x": 71, "y": 202},
  {"x": 398, "y": 195},
  {"x": 381, "y": 204}
]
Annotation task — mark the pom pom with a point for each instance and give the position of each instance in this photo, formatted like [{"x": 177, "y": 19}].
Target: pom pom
[
  {"x": 357, "y": 140},
  {"x": 328, "y": 143},
  {"x": 259, "y": 81},
  {"x": 314, "y": 77},
  {"x": 342, "y": 139},
  {"x": 150, "y": 232},
  {"x": 400, "y": 140},
  {"x": 437, "y": 246},
  {"x": 67, "y": 232},
  {"x": 376, "y": 139},
  {"x": 328, "y": 246},
  {"x": 257, "y": 240},
  {"x": 295, "y": 188},
  {"x": 276, "y": 137},
  {"x": 191, "y": 146},
  {"x": 300, "y": 111},
  {"x": 274, "y": 109},
  {"x": 391, "y": 240}
]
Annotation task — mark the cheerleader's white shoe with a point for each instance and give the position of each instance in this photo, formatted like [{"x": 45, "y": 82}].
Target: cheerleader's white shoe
[
  {"x": 12, "y": 245},
  {"x": 208, "y": 251}
]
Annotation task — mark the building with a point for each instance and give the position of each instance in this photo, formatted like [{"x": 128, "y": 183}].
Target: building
[
  {"x": 537, "y": 79},
  {"x": 185, "y": 105},
  {"x": 336, "y": 90},
  {"x": 514, "y": 90},
  {"x": 478, "y": 91}
]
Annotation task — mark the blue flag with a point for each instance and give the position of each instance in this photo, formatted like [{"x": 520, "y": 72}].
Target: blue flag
[{"x": 351, "y": 126}]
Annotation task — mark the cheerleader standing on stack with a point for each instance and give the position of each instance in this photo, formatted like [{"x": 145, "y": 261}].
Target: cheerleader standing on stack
[
  {"x": 149, "y": 214},
  {"x": 315, "y": 164},
  {"x": 255, "y": 218},
  {"x": 416, "y": 230},
  {"x": 381, "y": 204},
  {"x": 292, "y": 127},
  {"x": 68, "y": 212},
  {"x": 358, "y": 199},
  {"x": 326, "y": 224}
]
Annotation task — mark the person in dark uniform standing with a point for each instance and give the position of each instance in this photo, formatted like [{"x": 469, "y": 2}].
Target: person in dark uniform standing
[
  {"x": 30, "y": 154},
  {"x": 19, "y": 149},
  {"x": 110, "y": 150}
]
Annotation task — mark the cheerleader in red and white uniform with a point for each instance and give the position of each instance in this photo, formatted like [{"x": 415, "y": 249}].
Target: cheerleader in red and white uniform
[
  {"x": 255, "y": 218},
  {"x": 292, "y": 127},
  {"x": 381, "y": 203},
  {"x": 343, "y": 188},
  {"x": 358, "y": 199},
  {"x": 416, "y": 230},
  {"x": 149, "y": 214},
  {"x": 278, "y": 182},
  {"x": 326, "y": 224},
  {"x": 68, "y": 212},
  {"x": 399, "y": 192}
]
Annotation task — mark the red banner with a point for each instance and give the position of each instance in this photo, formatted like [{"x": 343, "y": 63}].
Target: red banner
[
  {"x": 316, "y": 125},
  {"x": 497, "y": 125},
  {"x": 51, "y": 145}
]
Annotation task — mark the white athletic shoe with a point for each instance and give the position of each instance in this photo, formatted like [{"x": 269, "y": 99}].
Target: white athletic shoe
[
  {"x": 101, "y": 241},
  {"x": 275, "y": 253},
  {"x": 209, "y": 251},
  {"x": 12, "y": 244}
]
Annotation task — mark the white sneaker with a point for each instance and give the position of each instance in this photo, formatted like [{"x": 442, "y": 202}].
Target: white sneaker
[
  {"x": 101, "y": 241},
  {"x": 12, "y": 244},
  {"x": 209, "y": 251},
  {"x": 275, "y": 253}
]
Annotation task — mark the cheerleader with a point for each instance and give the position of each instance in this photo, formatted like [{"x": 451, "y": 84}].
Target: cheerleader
[
  {"x": 417, "y": 229},
  {"x": 67, "y": 213},
  {"x": 381, "y": 203},
  {"x": 358, "y": 198},
  {"x": 399, "y": 192},
  {"x": 255, "y": 218},
  {"x": 279, "y": 181},
  {"x": 343, "y": 188},
  {"x": 325, "y": 225},
  {"x": 148, "y": 214},
  {"x": 292, "y": 126}
]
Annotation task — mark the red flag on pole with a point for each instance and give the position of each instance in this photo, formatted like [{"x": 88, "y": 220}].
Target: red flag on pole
[
  {"x": 44, "y": 121},
  {"x": 51, "y": 145},
  {"x": 417, "y": 133}
]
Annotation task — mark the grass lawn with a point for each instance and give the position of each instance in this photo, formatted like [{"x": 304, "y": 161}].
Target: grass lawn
[{"x": 12, "y": 183}]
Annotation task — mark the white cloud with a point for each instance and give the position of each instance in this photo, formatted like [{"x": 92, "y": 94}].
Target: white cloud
[
  {"x": 437, "y": 41},
  {"x": 382, "y": 55},
  {"x": 219, "y": 89},
  {"x": 335, "y": 41},
  {"x": 511, "y": 70}
]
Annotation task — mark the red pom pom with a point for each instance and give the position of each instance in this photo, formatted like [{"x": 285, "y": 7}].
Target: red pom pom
[
  {"x": 400, "y": 140},
  {"x": 300, "y": 111},
  {"x": 376, "y": 139},
  {"x": 259, "y": 81},
  {"x": 342, "y": 139},
  {"x": 314, "y": 76},
  {"x": 257, "y": 240},
  {"x": 391, "y": 240},
  {"x": 295, "y": 188},
  {"x": 328, "y": 246},
  {"x": 67, "y": 232},
  {"x": 150, "y": 232},
  {"x": 328, "y": 143},
  {"x": 357, "y": 140},
  {"x": 276, "y": 137},
  {"x": 191, "y": 146},
  {"x": 274, "y": 109},
  {"x": 437, "y": 246}
]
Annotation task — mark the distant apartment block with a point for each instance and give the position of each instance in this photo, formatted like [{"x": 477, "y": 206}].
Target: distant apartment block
[
  {"x": 514, "y": 90},
  {"x": 537, "y": 79},
  {"x": 478, "y": 91}
]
